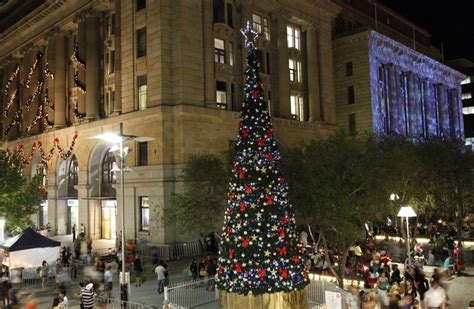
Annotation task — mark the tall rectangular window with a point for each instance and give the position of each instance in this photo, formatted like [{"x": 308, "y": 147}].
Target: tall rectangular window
[
  {"x": 110, "y": 59},
  {"x": 112, "y": 101},
  {"x": 466, "y": 96},
  {"x": 261, "y": 25},
  {"x": 231, "y": 53},
  {"x": 295, "y": 70},
  {"x": 218, "y": 11},
  {"x": 294, "y": 37},
  {"x": 221, "y": 94},
  {"x": 230, "y": 15},
  {"x": 352, "y": 124},
  {"x": 141, "y": 42},
  {"x": 142, "y": 153},
  {"x": 349, "y": 68},
  {"x": 219, "y": 51},
  {"x": 110, "y": 24},
  {"x": 144, "y": 213},
  {"x": 140, "y": 5},
  {"x": 296, "y": 107},
  {"x": 142, "y": 91},
  {"x": 350, "y": 95}
]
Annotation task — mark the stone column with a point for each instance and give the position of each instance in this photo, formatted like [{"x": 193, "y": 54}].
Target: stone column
[
  {"x": 52, "y": 190},
  {"x": 393, "y": 98},
  {"x": 118, "y": 60},
  {"x": 92, "y": 67},
  {"x": 59, "y": 81},
  {"x": 438, "y": 105},
  {"x": 283, "y": 67},
  {"x": 328, "y": 101},
  {"x": 208, "y": 54},
  {"x": 454, "y": 112},
  {"x": 81, "y": 42},
  {"x": 413, "y": 111},
  {"x": 83, "y": 197},
  {"x": 314, "y": 92}
]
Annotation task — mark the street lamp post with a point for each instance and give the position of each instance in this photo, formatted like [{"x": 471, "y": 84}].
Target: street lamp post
[
  {"x": 119, "y": 139},
  {"x": 407, "y": 212}
]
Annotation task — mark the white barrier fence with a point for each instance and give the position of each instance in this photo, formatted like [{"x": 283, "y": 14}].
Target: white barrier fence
[
  {"x": 191, "y": 293},
  {"x": 112, "y": 303},
  {"x": 199, "y": 292}
]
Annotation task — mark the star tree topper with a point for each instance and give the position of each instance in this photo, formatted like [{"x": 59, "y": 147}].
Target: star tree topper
[{"x": 250, "y": 35}]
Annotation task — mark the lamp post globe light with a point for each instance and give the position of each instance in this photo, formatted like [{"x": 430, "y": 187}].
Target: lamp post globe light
[
  {"x": 407, "y": 212},
  {"x": 119, "y": 139}
]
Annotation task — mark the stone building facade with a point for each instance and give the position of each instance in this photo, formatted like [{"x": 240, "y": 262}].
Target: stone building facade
[
  {"x": 170, "y": 70},
  {"x": 383, "y": 86}
]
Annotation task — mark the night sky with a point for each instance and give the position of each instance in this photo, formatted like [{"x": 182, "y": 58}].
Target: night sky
[{"x": 450, "y": 22}]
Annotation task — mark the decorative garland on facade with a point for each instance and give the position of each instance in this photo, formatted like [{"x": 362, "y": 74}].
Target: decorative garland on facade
[
  {"x": 47, "y": 71},
  {"x": 16, "y": 120},
  {"x": 11, "y": 79},
  {"x": 63, "y": 153},
  {"x": 9, "y": 103},
  {"x": 32, "y": 70},
  {"x": 76, "y": 59},
  {"x": 76, "y": 112},
  {"x": 78, "y": 83},
  {"x": 38, "y": 91},
  {"x": 47, "y": 100}
]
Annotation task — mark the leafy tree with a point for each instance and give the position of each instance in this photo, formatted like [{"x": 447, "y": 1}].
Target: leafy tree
[
  {"x": 200, "y": 208},
  {"x": 19, "y": 199},
  {"x": 336, "y": 187},
  {"x": 448, "y": 179}
]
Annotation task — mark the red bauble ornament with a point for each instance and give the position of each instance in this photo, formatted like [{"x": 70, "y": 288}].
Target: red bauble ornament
[
  {"x": 268, "y": 156},
  {"x": 284, "y": 220},
  {"x": 231, "y": 197},
  {"x": 245, "y": 132},
  {"x": 241, "y": 174},
  {"x": 221, "y": 269},
  {"x": 261, "y": 272},
  {"x": 231, "y": 253},
  {"x": 245, "y": 242},
  {"x": 284, "y": 273},
  {"x": 269, "y": 133},
  {"x": 229, "y": 231},
  {"x": 261, "y": 142}
]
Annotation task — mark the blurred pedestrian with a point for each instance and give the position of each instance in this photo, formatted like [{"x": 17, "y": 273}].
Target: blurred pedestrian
[
  {"x": 89, "y": 245},
  {"x": 138, "y": 269},
  {"x": 73, "y": 232},
  {"x": 352, "y": 300},
  {"x": 211, "y": 272},
  {"x": 31, "y": 302},
  {"x": 44, "y": 272},
  {"x": 160, "y": 276},
  {"x": 435, "y": 297},
  {"x": 88, "y": 296},
  {"x": 193, "y": 268}
]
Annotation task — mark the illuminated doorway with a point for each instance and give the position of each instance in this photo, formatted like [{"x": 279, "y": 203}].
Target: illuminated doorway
[{"x": 109, "y": 219}]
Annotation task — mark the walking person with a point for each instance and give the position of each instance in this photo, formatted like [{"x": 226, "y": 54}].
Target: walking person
[
  {"x": 89, "y": 246},
  {"x": 88, "y": 296},
  {"x": 73, "y": 232},
  {"x": 108, "y": 281},
  {"x": 193, "y": 268},
  {"x": 44, "y": 273},
  {"x": 435, "y": 297},
  {"x": 211, "y": 272},
  {"x": 82, "y": 230},
  {"x": 160, "y": 276},
  {"x": 138, "y": 269}
]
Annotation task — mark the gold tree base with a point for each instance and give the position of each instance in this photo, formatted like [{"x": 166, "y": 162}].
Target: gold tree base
[{"x": 281, "y": 300}]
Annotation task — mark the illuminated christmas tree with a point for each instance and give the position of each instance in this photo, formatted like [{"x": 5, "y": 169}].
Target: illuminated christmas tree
[{"x": 260, "y": 252}]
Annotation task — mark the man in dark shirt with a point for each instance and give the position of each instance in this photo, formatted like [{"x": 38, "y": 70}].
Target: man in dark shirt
[{"x": 211, "y": 272}]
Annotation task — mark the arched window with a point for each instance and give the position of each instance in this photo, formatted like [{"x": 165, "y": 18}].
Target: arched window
[
  {"x": 72, "y": 176},
  {"x": 108, "y": 175}
]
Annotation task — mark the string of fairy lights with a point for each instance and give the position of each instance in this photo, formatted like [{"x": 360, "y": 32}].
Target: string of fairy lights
[
  {"x": 41, "y": 115},
  {"x": 41, "y": 89},
  {"x": 45, "y": 156}
]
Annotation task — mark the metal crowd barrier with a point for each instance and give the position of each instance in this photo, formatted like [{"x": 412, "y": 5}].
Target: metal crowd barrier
[
  {"x": 113, "y": 303},
  {"x": 317, "y": 292},
  {"x": 191, "y": 293},
  {"x": 170, "y": 252}
]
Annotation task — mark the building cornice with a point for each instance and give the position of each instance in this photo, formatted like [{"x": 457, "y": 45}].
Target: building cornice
[
  {"x": 386, "y": 50},
  {"x": 38, "y": 23}
]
